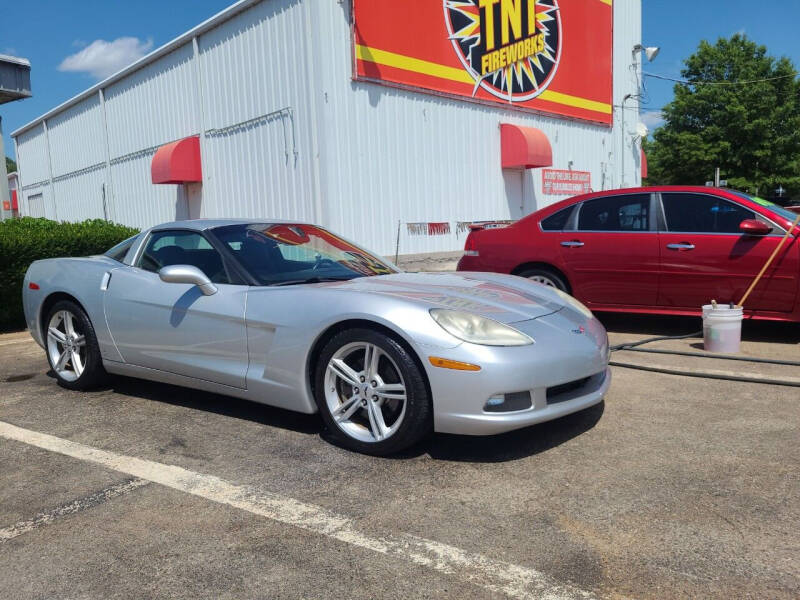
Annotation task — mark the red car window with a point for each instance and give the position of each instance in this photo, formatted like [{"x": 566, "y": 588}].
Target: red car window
[
  {"x": 702, "y": 213},
  {"x": 630, "y": 212}
]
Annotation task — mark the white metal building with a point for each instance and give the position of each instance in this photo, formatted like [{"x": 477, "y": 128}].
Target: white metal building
[{"x": 285, "y": 130}]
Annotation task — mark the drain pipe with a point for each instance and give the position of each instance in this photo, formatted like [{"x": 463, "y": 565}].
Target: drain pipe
[{"x": 622, "y": 126}]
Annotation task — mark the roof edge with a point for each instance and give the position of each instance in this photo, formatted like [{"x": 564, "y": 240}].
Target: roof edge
[
  {"x": 203, "y": 27},
  {"x": 17, "y": 60}
]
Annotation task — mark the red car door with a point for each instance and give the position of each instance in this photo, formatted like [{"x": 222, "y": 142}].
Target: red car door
[
  {"x": 705, "y": 256},
  {"x": 612, "y": 257}
]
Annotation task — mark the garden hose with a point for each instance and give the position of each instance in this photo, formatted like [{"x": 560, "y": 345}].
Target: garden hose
[{"x": 633, "y": 347}]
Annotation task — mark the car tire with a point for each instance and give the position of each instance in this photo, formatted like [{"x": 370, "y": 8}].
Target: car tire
[
  {"x": 546, "y": 277},
  {"x": 361, "y": 405},
  {"x": 71, "y": 347}
]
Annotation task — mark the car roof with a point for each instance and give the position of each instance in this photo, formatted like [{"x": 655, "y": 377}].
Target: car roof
[
  {"x": 702, "y": 189},
  {"x": 205, "y": 224},
  {"x": 697, "y": 189}
]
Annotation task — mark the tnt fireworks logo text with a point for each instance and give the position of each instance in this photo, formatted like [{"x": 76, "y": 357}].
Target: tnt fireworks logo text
[{"x": 511, "y": 48}]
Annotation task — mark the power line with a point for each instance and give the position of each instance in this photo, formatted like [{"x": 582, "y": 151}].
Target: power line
[{"x": 687, "y": 82}]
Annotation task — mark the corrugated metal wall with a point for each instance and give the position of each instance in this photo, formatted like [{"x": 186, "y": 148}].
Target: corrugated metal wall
[
  {"x": 390, "y": 155},
  {"x": 256, "y": 102},
  {"x": 154, "y": 105},
  {"x": 76, "y": 138},
  {"x": 286, "y": 133},
  {"x": 32, "y": 154},
  {"x": 77, "y": 152}
]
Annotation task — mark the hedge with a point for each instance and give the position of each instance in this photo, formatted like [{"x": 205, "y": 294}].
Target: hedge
[{"x": 25, "y": 240}]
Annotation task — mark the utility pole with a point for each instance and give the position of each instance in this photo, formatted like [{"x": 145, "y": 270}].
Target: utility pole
[{"x": 716, "y": 177}]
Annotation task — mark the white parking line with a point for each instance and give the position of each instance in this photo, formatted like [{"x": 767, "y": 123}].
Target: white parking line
[
  {"x": 493, "y": 575},
  {"x": 46, "y": 518}
]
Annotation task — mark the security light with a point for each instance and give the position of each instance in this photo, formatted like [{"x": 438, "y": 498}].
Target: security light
[{"x": 650, "y": 51}]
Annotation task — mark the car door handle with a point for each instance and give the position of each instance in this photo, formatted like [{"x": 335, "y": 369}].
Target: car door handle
[
  {"x": 681, "y": 246},
  {"x": 572, "y": 244}
]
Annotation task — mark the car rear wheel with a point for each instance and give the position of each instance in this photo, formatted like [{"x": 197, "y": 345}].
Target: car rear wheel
[
  {"x": 546, "y": 277},
  {"x": 72, "y": 349},
  {"x": 371, "y": 393}
]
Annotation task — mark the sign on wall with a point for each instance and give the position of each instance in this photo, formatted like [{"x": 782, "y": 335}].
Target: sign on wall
[
  {"x": 566, "y": 183},
  {"x": 552, "y": 56}
]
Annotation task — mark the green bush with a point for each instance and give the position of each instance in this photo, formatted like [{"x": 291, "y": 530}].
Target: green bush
[{"x": 25, "y": 240}]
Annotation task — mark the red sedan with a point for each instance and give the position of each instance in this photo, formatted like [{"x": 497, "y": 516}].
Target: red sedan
[{"x": 665, "y": 250}]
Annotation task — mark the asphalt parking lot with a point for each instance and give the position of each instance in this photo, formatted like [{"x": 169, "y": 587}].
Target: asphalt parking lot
[{"x": 674, "y": 487}]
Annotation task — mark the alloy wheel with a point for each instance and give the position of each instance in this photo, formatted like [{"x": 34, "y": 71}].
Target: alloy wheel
[
  {"x": 365, "y": 392},
  {"x": 544, "y": 280},
  {"x": 66, "y": 346}
]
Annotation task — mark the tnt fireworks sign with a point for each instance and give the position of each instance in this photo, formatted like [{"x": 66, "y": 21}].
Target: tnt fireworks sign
[
  {"x": 566, "y": 183},
  {"x": 550, "y": 56}
]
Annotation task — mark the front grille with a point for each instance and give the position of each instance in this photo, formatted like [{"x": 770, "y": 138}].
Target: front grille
[{"x": 558, "y": 393}]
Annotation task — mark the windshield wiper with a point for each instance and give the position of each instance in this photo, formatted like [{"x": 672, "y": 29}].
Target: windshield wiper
[{"x": 310, "y": 280}]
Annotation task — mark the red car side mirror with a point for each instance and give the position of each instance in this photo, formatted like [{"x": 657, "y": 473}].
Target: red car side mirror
[{"x": 754, "y": 227}]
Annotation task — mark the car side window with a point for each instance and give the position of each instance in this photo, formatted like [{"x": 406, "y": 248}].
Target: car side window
[
  {"x": 120, "y": 251},
  {"x": 167, "y": 248},
  {"x": 558, "y": 221},
  {"x": 630, "y": 212},
  {"x": 702, "y": 213}
]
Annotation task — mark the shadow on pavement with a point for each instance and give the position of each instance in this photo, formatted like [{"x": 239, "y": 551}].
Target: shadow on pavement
[
  {"x": 499, "y": 448},
  {"x": 218, "y": 404},
  {"x": 514, "y": 445},
  {"x": 657, "y": 325}
]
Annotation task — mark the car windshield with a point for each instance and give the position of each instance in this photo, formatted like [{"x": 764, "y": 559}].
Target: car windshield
[
  {"x": 287, "y": 254},
  {"x": 771, "y": 206}
]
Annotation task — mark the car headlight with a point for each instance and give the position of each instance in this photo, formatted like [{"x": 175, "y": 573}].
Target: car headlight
[
  {"x": 574, "y": 303},
  {"x": 478, "y": 330}
]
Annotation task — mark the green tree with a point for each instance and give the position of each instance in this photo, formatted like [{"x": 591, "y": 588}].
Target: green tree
[
  {"x": 750, "y": 130},
  {"x": 11, "y": 166}
]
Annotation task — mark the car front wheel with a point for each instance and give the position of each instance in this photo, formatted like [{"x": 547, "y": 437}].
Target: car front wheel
[{"x": 371, "y": 393}]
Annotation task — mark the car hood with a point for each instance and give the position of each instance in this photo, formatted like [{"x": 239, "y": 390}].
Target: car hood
[{"x": 504, "y": 298}]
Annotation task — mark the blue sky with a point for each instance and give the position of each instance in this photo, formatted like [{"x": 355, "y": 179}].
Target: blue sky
[
  {"x": 73, "y": 44},
  {"x": 677, "y": 26}
]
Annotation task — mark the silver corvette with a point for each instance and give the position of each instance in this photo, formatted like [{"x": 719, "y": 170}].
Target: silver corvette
[{"x": 291, "y": 315}]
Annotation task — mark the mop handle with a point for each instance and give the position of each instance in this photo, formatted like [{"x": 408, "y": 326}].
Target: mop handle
[{"x": 769, "y": 261}]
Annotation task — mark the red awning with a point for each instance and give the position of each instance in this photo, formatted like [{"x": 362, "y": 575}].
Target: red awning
[
  {"x": 524, "y": 148},
  {"x": 14, "y": 201},
  {"x": 644, "y": 165},
  {"x": 178, "y": 162}
]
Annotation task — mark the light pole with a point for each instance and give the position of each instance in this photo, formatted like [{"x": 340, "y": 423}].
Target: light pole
[{"x": 650, "y": 52}]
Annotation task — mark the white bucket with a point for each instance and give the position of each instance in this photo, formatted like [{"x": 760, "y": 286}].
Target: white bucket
[{"x": 722, "y": 328}]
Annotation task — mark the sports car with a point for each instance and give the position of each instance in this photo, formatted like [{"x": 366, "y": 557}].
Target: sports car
[{"x": 293, "y": 316}]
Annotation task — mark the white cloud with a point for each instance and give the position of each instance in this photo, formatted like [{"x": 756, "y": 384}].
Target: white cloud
[
  {"x": 652, "y": 118},
  {"x": 101, "y": 58}
]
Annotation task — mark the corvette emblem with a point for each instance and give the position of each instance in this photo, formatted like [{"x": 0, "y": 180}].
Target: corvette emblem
[{"x": 580, "y": 330}]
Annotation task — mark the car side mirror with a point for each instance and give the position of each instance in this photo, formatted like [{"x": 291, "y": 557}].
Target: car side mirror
[
  {"x": 188, "y": 274},
  {"x": 754, "y": 227}
]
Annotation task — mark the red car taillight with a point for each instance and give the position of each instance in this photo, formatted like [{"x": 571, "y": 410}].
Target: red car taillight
[{"x": 470, "y": 247}]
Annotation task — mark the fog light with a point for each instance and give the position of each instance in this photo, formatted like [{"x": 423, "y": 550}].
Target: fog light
[
  {"x": 512, "y": 402},
  {"x": 495, "y": 401}
]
